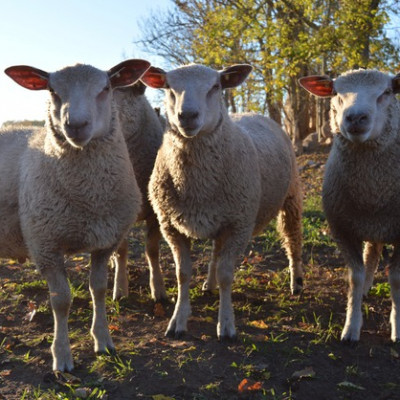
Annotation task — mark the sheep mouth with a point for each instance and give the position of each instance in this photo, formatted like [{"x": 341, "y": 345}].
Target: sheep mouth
[{"x": 188, "y": 132}]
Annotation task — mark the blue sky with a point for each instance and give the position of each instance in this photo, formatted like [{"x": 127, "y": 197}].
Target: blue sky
[{"x": 51, "y": 34}]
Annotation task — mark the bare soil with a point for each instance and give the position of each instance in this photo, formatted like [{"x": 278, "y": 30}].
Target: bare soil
[{"x": 288, "y": 347}]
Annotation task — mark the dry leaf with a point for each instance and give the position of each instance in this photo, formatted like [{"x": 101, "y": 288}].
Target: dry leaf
[
  {"x": 247, "y": 385},
  {"x": 113, "y": 328},
  {"x": 159, "y": 310},
  {"x": 258, "y": 324},
  {"x": 349, "y": 385},
  {"x": 306, "y": 373},
  {"x": 161, "y": 397}
]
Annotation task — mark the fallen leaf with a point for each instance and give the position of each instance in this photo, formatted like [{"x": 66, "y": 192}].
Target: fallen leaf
[
  {"x": 248, "y": 385},
  {"x": 161, "y": 397},
  {"x": 113, "y": 328},
  {"x": 32, "y": 311},
  {"x": 306, "y": 373},
  {"x": 82, "y": 393},
  {"x": 5, "y": 372},
  {"x": 191, "y": 348},
  {"x": 349, "y": 385},
  {"x": 159, "y": 310},
  {"x": 258, "y": 324}
]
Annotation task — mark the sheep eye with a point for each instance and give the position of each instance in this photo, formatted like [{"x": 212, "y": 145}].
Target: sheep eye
[
  {"x": 340, "y": 101},
  {"x": 387, "y": 92},
  {"x": 213, "y": 89}
]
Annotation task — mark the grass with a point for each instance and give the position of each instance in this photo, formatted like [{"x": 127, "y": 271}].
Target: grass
[{"x": 278, "y": 334}]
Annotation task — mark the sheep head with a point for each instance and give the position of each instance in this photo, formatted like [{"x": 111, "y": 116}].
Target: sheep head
[
  {"x": 80, "y": 106},
  {"x": 360, "y": 99},
  {"x": 193, "y": 100}
]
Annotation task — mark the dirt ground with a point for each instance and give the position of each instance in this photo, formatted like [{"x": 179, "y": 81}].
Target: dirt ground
[{"x": 288, "y": 346}]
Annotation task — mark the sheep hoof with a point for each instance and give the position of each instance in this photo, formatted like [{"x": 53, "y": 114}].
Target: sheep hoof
[
  {"x": 349, "y": 342},
  {"x": 175, "y": 335},
  {"x": 228, "y": 339},
  {"x": 109, "y": 351},
  {"x": 162, "y": 300}
]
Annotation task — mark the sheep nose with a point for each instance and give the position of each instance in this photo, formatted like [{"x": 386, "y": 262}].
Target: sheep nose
[
  {"x": 75, "y": 128},
  {"x": 357, "y": 123},
  {"x": 357, "y": 118},
  {"x": 187, "y": 116}
]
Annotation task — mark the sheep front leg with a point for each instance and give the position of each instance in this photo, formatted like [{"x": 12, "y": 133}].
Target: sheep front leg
[
  {"x": 98, "y": 286},
  {"x": 180, "y": 247},
  {"x": 371, "y": 255},
  {"x": 120, "y": 262},
  {"x": 352, "y": 254},
  {"x": 394, "y": 280},
  {"x": 153, "y": 237},
  {"x": 60, "y": 300},
  {"x": 229, "y": 248}
]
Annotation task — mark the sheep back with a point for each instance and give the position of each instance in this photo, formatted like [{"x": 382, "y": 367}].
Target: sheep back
[
  {"x": 143, "y": 134},
  {"x": 13, "y": 143}
]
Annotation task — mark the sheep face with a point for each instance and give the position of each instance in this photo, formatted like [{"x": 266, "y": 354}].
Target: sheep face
[
  {"x": 360, "y": 101},
  {"x": 193, "y": 100},
  {"x": 81, "y": 99},
  {"x": 80, "y": 103},
  {"x": 358, "y": 110}
]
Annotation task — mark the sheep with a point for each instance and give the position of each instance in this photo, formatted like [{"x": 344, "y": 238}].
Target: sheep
[
  {"x": 70, "y": 187},
  {"x": 143, "y": 130},
  {"x": 361, "y": 188},
  {"x": 221, "y": 178}
]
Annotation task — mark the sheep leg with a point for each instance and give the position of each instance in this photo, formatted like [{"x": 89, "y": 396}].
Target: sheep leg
[
  {"x": 153, "y": 237},
  {"x": 290, "y": 228},
  {"x": 394, "y": 280},
  {"x": 211, "y": 283},
  {"x": 180, "y": 247},
  {"x": 371, "y": 255},
  {"x": 120, "y": 262},
  {"x": 98, "y": 286},
  {"x": 229, "y": 249},
  {"x": 352, "y": 253},
  {"x": 60, "y": 300}
]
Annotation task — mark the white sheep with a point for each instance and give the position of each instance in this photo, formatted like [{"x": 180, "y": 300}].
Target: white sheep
[
  {"x": 70, "y": 187},
  {"x": 143, "y": 132},
  {"x": 219, "y": 178},
  {"x": 361, "y": 188}
]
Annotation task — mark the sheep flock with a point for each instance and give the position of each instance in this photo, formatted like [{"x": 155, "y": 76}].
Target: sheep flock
[{"x": 106, "y": 159}]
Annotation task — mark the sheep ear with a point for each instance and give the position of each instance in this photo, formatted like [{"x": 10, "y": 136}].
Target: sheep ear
[
  {"x": 28, "y": 77},
  {"x": 321, "y": 86},
  {"x": 396, "y": 84},
  {"x": 235, "y": 75},
  {"x": 155, "y": 78},
  {"x": 127, "y": 72}
]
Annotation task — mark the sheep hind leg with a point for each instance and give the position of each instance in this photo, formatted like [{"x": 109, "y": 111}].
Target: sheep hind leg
[
  {"x": 290, "y": 228},
  {"x": 120, "y": 263},
  {"x": 394, "y": 280},
  {"x": 60, "y": 300},
  {"x": 371, "y": 255},
  {"x": 153, "y": 237},
  {"x": 211, "y": 282},
  {"x": 180, "y": 247},
  {"x": 98, "y": 286}
]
